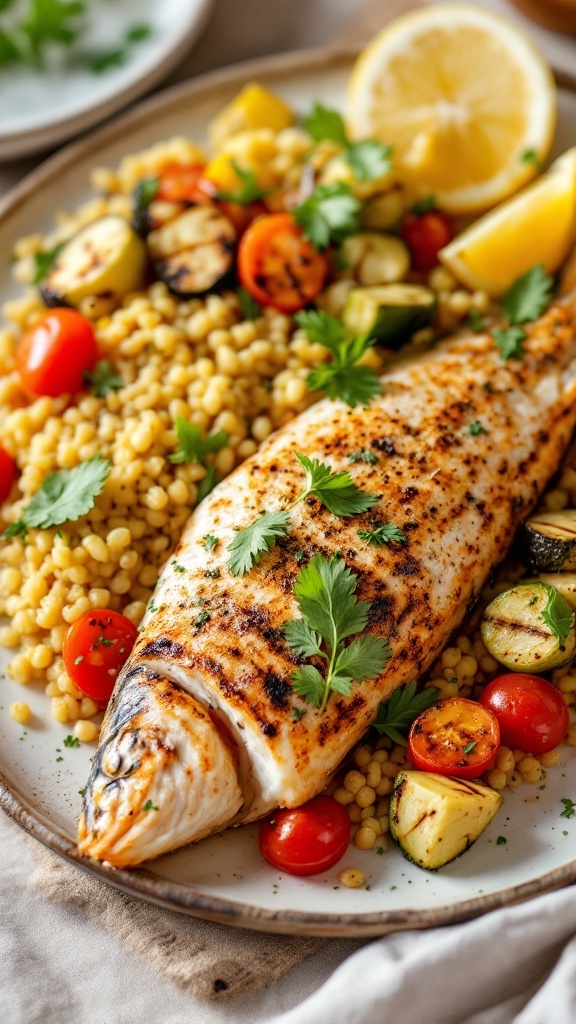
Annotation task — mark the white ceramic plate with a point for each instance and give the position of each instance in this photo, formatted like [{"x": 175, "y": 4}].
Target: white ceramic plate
[
  {"x": 39, "y": 109},
  {"x": 224, "y": 878}
]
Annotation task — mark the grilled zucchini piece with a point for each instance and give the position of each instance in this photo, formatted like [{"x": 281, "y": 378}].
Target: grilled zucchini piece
[
  {"x": 549, "y": 540},
  {"x": 389, "y": 313},
  {"x": 194, "y": 252},
  {"x": 97, "y": 267},
  {"x": 433, "y": 818},
  {"x": 563, "y": 582},
  {"x": 529, "y": 628},
  {"x": 375, "y": 258}
]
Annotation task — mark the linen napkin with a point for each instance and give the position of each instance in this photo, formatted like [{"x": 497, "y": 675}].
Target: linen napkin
[{"x": 206, "y": 960}]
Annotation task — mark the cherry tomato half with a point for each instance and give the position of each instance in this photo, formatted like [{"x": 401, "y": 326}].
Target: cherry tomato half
[
  {"x": 53, "y": 355},
  {"x": 531, "y": 712},
  {"x": 456, "y": 737},
  {"x": 425, "y": 234},
  {"x": 185, "y": 183},
  {"x": 7, "y": 474},
  {"x": 306, "y": 839},
  {"x": 95, "y": 649},
  {"x": 278, "y": 265}
]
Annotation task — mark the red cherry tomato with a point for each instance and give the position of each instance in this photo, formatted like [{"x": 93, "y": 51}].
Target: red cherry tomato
[
  {"x": 54, "y": 353},
  {"x": 95, "y": 649},
  {"x": 278, "y": 265},
  {"x": 307, "y": 839},
  {"x": 425, "y": 234},
  {"x": 531, "y": 712},
  {"x": 185, "y": 183},
  {"x": 454, "y": 737},
  {"x": 7, "y": 474}
]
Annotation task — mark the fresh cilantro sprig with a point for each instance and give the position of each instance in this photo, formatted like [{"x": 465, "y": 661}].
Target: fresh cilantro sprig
[
  {"x": 558, "y": 615},
  {"x": 386, "y": 533},
  {"x": 395, "y": 718},
  {"x": 248, "y": 190},
  {"x": 526, "y": 300},
  {"x": 63, "y": 497},
  {"x": 342, "y": 377},
  {"x": 368, "y": 159},
  {"x": 325, "y": 594},
  {"x": 43, "y": 261},
  {"x": 329, "y": 215},
  {"x": 193, "y": 444},
  {"x": 249, "y": 308},
  {"x": 337, "y": 492},
  {"x": 103, "y": 379}
]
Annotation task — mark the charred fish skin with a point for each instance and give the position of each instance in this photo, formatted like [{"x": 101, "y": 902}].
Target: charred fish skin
[
  {"x": 458, "y": 495},
  {"x": 161, "y": 771}
]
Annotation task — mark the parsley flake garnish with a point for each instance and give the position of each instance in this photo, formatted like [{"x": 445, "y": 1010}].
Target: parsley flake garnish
[
  {"x": 337, "y": 491},
  {"x": 324, "y": 592},
  {"x": 202, "y": 618},
  {"x": 103, "y": 379},
  {"x": 509, "y": 341},
  {"x": 475, "y": 321},
  {"x": 405, "y": 704},
  {"x": 250, "y": 309},
  {"x": 176, "y": 567},
  {"x": 211, "y": 542},
  {"x": 476, "y": 428},
  {"x": 82, "y": 792},
  {"x": 342, "y": 377},
  {"x": 424, "y": 205},
  {"x": 58, "y": 759},
  {"x": 298, "y": 713},
  {"x": 145, "y": 191},
  {"x": 386, "y": 533},
  {"x": 501, "y": 840},
  {"x": 78, "y": 659},
  {"x": 529, "y": 296},
  {"x": 71, "y": 741},
  {"x": 363, "y": 456},
  {"x": 558, "y": 615},
  {"x": 368, "y": 158},
  {"x": 248, "y": 191},
  {"x": 470, "y": 747},
  {"x": 569, "y": 808},
  {"x": 329, "y": 215},
  {"x": 530, "y": 156},
  {"x": 150, "y": 806},
  {"x": 63, "y": 497}
]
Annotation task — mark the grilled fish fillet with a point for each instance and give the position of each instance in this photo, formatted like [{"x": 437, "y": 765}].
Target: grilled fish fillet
[{"x": 201, "y": 720}]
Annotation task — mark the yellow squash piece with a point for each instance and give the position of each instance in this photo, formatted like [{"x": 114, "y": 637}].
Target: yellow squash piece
[
  {"x": 536, "y": 226},
  {"x": 253, "y": 107},
  {"x": 434, "y": 818},
  {"x": 462, "y": 95}
]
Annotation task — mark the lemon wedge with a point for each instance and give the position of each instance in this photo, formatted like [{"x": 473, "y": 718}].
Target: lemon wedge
[
  {"x": 536, "y": 226},
  {"x": 465, "y": 99}
]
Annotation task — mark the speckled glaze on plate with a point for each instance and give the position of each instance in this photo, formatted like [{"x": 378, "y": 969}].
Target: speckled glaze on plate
[{"x": 224, "y": 878}]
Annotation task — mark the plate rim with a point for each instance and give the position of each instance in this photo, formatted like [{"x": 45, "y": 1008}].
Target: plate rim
[{"x": 140, "y": 882}]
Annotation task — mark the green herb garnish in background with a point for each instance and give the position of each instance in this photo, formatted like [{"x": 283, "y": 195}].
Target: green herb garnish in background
[
  {"x": 103, "y": 379},
  {"x": 395, "y": 718},
  {"x": 368, "y": 159},
  {"x": 43, "y": 261},
  {"x": 337, "y": 492},
  {"x": 530, "y": 156},
  {"x": 145, "y": 192},
  {"x": 249, "y": 308},
  {"x": 558, "y": 615},
  {"x": 193, "y": 446},
  {"x": 102, "y": 60},
  {"x": 329, "y": 215},
  {"x": 248, "y": 190},
  {"x": 475, "y": 321},
  {"x": 342, "y": 377},
  {"x": 63, "y": 497},
  {"x": 386, "y": 533},
  {"x": 424, "y": 205},
  {"x": 324, "y": 591}
]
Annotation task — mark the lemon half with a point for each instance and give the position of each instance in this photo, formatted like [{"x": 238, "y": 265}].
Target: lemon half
[
  {"x": 536, "y": 226},
  {"x": 465, "y": 99}
]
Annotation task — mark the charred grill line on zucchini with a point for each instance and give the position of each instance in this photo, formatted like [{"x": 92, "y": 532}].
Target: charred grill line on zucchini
[
  {"x": 549, "y": 540},
  {"x": 515, "y": 632},
  {"x": 194, "y": 252},
  {"x": 390, "y": 313}
]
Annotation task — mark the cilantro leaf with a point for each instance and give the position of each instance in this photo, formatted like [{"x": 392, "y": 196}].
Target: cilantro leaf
[
  {"x": 509, "y": 341},
  {"x": 248, "y": 191},
  {"x": 250, "y": 309},
  {"x": 255, "y": 539},
  {"x": 475, "y": 321},
  {"x": 208, "y": 482},
  {"x": 558, "y": 615},
  {"x": 476, "y": 428},
  {"x": 103, "y": 379},
  {"x": 368, "y": 159},
  {"x": 71, "y": 741},
  {"x": 405, "y": 704},
  {"x": 150, "y": 806},
  {"x": 386, "y": 533},
  {"x": 529, "y": 296},
  {"x": 337, "y": 491},
  {"x": 64, "y": 496},
  {"x": 325, "y": 593},
  {"x": 145, "y": 191},
  {"x": 569, "y": 807},
  {"x": 329, "y": 215},
  {"x": 324, "y": 123},
  {"x": 340, "y": 378},
  {"x": 321, "y": 328},
  {"x": 211, "y": 542},
  {"x": 137, "y": 33},
  {"x": 355, "y": 385},
  {"x": 44, "y": 260},
  {"x": 193, "y": 444}
]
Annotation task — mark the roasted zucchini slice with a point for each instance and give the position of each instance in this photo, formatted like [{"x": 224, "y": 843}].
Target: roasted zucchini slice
[
  {"x": 374, "y": 258},
  {"x": 529, "y": 628},
  {"x": 434, "y": 818},
  {"x": 549, "y": 541},
  {"x": 389, "y": 313},
  {"x": 97, "y": 267},
  {"x": 194, "y": 252}
]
